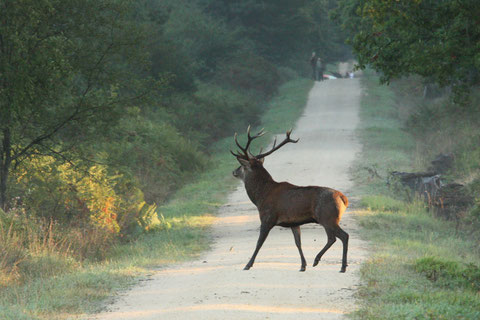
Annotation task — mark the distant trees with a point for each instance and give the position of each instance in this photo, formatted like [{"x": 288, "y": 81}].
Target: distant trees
[
  {"x": 284, "y": 30},
  {"x": 438, "y": 40}
]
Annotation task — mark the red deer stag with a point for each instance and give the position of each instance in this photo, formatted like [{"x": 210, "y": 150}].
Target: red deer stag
[{"x": 287, "y": 205}]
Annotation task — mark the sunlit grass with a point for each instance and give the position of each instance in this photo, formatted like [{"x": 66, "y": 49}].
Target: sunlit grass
[{"x": 393, "y": 288}]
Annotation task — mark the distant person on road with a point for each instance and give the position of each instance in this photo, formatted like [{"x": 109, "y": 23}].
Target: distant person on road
[
  {"x": 319, "y": 69},
  {"x": 313, "y": 63}
]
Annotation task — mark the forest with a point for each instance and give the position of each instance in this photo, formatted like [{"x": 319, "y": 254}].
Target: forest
[{"x": 108, "y": 107}]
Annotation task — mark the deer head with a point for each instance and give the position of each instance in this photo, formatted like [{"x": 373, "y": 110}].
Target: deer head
[{"x": 249, "y": 162}]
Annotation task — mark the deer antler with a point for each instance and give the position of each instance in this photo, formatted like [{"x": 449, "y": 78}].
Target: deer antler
[
  {"x": 246, "y": 153},
  {"x": 275, "y": 148}
]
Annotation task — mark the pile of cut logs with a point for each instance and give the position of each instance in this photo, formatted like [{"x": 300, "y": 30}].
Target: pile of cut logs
[{"x": 448, "y": 200}]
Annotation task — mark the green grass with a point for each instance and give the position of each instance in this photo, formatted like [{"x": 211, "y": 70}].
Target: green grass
[
  {"x": 420, "y": 267},
  {"x": 183, "y": 233},
  {"x": 386, "y": 146}
]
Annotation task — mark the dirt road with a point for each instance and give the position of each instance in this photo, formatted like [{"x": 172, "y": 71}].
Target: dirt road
[{"x": 216, "y": 287}]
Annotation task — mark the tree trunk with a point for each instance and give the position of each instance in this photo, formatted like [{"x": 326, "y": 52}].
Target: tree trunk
[{"x": 6, "y": 159}]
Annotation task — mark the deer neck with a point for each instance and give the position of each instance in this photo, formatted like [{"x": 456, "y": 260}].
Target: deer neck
[{"x": 258, "y": 184}]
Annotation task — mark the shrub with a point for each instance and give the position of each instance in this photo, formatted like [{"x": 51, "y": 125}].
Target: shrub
[
  {"x": 153, "y": 156},
  {"x": 435, "y": 269},
  {"x": 471, "y": 274},
  {"x": 449, "y": 273}
]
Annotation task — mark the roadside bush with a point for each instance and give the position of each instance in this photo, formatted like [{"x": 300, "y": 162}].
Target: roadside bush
[
  {"x": 449, "y": 273},
  {"x": 435, "y": 269},
  {"x": 63, "y": 192},
  {"x": 153, "y": 155},
  {"x": 97, "y": 205}
]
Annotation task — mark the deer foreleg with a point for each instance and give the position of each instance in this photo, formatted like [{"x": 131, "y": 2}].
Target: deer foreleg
[{"x": 264, "y": 230}]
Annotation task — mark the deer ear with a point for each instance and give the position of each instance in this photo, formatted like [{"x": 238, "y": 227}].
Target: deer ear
[{"x": 243, "y": 162}]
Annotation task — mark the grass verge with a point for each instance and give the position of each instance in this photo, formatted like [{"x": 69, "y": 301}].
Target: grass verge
[
  {"x": 182, "y": 234},
  {"x": 420, "y": 267}
]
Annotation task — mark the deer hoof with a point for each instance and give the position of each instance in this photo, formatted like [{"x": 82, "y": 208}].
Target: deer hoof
[
  {"x": 315, "y": 263},
  {"x": 343, "y": 269},
  {"x": 302, "y": 269},
  {"x": 246, "y": 268}
]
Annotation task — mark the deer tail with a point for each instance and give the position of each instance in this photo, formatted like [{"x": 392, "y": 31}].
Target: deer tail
[{"x": 342, "y": 197}]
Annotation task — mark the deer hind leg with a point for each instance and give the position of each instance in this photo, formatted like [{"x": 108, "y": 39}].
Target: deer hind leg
[
  {"x": 330, "y": 240},
  {"x": 264, "y": 230},
  {"x": 298, "y": 242},
  {"x": 342, "y": 235}
]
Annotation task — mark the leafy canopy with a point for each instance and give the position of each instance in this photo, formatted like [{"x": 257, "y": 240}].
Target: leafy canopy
[{"x": 437, "y": 39}]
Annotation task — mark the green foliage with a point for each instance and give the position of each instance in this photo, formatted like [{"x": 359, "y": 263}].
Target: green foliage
[
  {"x": 449, "y": 273},
  {"x": 284, "y": 31},
  {"x": 325, "y": 35},
  {"x": 276, "y": 28},
  {"x": 86, "y": 195},
  {"x": 148, "y": 217},
  {"x": 63, "y": 77},
  {"x": 220, "y": 104},
  {"x": 434, "y": 268},
  {"x": 435, "y": 39},
  {"x": 152, "y": 153}
]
